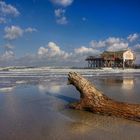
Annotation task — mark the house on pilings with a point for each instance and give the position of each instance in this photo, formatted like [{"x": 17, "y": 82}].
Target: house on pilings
[{"x": 112, "y": 59}]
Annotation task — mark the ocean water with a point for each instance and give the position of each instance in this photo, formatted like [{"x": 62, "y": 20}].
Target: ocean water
[{"x": 33, "y": 105}]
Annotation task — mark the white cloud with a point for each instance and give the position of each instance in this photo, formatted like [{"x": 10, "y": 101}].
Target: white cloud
[
  {"x": 116, "y": 44},
  {"x": 59, "y": 12},
  {"x": 52, "y": 51},
  {"x": 60, "y": 16},
  {"x": 62, "y": 20},
  {"x": 111, "y": 40},
  {"x": 8, "y": 55},
  {"x": 8, "y": 9},
  {"x": 133, "y": 37},
  {"x": 53, "y": 55},
  {"x": 64, "y": 3},
  {"x": 110, "y": 44},
  {"x": 13, "y": 32},
  {"x": 7, "y": 58},
  {"x": 84, "y": 50},
  {"x": 42, "y": 51},
  {"x": 97, "y": 44},
  {"x": 80, "y": 54},
  {"x": 30, "y": 30}
]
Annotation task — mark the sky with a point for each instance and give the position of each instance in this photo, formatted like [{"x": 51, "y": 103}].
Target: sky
[{"x": 65, "y": 32}]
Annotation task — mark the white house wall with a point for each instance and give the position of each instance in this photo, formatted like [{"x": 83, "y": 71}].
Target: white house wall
[{"x": 128, "y": 55}]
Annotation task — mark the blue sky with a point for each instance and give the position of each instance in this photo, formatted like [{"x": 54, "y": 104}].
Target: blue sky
[{"x": 62, "y": 32}]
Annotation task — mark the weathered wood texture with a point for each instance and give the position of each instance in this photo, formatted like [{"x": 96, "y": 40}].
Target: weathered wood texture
[{"x": 95, "y": 101}]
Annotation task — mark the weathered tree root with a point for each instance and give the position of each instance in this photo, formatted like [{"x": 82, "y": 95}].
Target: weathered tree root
[{"x": 95, "y": 101}]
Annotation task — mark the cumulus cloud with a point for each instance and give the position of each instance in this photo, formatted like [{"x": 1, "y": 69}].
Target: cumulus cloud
[
  {"x": 79, "y": 55},
  {"x": 52, "y": 50},
  {"x": 110, "y": 44},
  {"x": 60, "y": 16},
  {"x": 97, "y": 44},
  {"x": 7, "y": 11},
  {"x": 62, "y": 20},
  {"x": 8, "y": 55},
  {"x": 84, "y": 50},
  {"x": 133, "y": 37},
  {"x": 53, "y": 55},
  {"x": 116, "y": 44},
  {"x": 59, "y": 12},
  {"x": 14, "y": 32},
  {"x": 111, "y": 40},
  {"x": 63, "y": 3},
  {"x": 30, "y": 30},
  {"x": 42, "y": 51}
]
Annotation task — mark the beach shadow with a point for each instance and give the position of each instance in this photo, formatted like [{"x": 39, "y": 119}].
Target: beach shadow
[
  {"x": 63, "y": 97},
  {"x": 66, "y": 98}
]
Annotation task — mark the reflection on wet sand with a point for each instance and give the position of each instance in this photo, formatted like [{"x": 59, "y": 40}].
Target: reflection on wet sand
[
  {"x": 111, "y": 81},
  {"x": 53, "y": 86},
  {"x": 7, "y": 89},
  {"x": 44, "y": 88},
  {"x": 126, "y": 83}
]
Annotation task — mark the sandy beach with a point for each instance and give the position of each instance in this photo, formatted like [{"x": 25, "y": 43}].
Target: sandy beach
[{"x": 33, "y": 105}]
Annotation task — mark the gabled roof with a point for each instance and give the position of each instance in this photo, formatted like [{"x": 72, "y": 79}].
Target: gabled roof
[{"x": 114, "y": 52}]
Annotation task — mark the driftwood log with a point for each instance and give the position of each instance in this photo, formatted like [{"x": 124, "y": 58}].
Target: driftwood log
[{"x": 93, "y": 100}]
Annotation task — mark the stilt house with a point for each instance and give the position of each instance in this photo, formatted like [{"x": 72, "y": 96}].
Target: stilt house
[{"x": 119, "y": 59}]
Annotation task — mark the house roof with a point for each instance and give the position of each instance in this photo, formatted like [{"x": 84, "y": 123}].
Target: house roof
[{"x": 113, "y": 52}]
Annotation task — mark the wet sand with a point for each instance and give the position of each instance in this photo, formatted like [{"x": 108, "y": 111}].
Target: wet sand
[{"x": 35, "y": 108}]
